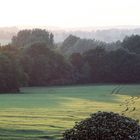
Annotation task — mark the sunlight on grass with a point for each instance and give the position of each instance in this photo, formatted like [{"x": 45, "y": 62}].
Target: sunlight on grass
[{"x": 52, "y": 110}]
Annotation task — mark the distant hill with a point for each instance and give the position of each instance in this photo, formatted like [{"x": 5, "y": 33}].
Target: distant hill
[
  {"x": 105, "y": 34},
  {"x": 6, "y": 33}
]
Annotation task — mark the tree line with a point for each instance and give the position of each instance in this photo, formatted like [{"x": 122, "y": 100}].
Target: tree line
[{"x": 33, "y": 59}]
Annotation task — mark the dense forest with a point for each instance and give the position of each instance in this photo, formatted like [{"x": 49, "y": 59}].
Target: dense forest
[{"x": 33, "y": 59}]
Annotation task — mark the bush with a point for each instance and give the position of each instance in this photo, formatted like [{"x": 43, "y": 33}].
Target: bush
[{"x": 104, "y": 126}]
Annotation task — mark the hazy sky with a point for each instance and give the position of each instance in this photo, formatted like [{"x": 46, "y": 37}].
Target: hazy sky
[{"x": 69, "y": 13}]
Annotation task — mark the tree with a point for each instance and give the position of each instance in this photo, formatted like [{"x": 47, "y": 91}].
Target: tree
[
  {"x": 77, "y": 62},
  {"x": 95, "y": 59},
  {"x": 73, "y": 44},
  {"x": 122, "y": 66},
  {"x": 9, "y": 75},
  {"x": 69, "y": 43},
  {"x": 43, "y": 66},
  {"x": 132, "y": 43},
  {"x": 26, "y": 38}
]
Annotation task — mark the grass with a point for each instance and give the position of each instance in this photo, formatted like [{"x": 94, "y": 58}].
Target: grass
[{"x": 45, "y": 112}]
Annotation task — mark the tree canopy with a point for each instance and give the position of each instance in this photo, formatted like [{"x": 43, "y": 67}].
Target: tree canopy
[
  {"x": 9, "y": 74},
  {"x": 25, "y": 38},
  {"x": 31, "y": 60}
]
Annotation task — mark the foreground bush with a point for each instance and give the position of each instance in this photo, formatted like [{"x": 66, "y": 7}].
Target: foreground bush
[{"x": 104, "y": 126}]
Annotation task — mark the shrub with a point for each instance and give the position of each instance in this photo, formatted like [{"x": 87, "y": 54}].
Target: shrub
[{"x": 104, "y": 126}]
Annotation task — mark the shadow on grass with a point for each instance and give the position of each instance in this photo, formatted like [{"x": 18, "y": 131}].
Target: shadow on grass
[
  {"x": 22, "y": 133},
  {"x": 101, "y": 93},
  {"x": 25, "y": 134}
]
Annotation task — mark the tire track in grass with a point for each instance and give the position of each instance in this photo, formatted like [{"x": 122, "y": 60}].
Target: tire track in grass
[
  {"x": 128, "y": 104},
  {"x": 116, "y": 90}
]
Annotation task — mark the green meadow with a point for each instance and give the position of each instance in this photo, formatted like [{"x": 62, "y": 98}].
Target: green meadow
[{"x": 39, "y": 113}]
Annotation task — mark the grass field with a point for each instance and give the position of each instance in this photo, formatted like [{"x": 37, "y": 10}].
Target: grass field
[{"x": 45, "y": 112}]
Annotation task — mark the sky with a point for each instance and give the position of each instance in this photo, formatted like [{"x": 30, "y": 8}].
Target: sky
[{"x": 69, "y": 13}]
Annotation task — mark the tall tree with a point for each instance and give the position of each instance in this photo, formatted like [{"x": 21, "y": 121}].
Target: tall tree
[
  {"x": 9, "y": 75},
  {"x": 43, "y": 66},
  {"x": 132, "y": 43},
  {"x": 26, "y": 38}
]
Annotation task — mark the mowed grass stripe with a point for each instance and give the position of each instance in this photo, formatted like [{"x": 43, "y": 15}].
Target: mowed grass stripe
[{"x": 45, "y": 112}]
